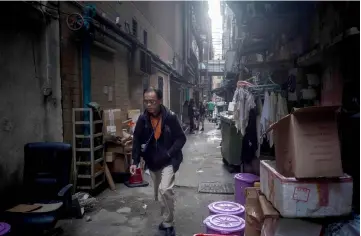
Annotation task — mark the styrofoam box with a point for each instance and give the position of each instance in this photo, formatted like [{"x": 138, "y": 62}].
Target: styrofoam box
[{"x": 306, "y": 198}]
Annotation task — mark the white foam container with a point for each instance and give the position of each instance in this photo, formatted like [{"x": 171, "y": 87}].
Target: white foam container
[{"x": 306, "y": 198}]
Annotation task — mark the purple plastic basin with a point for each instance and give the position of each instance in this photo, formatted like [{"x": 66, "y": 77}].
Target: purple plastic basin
[
  {"x": 4, "y": 228},
  {"x": 242, "y": 181},
  {"x": 226, "y": 208},
  {"x": 224, "y": 225}
]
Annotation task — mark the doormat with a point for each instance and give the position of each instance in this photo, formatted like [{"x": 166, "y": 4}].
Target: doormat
[{"x": 216, "y": 188}]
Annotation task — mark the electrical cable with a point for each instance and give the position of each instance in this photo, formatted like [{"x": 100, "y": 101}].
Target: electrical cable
[
  {"x": 52, "y": 8},
  {"x": 34, "y": 59}
]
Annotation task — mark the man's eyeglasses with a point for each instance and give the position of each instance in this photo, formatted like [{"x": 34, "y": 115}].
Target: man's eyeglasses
[{"x": 150, "y": 102}]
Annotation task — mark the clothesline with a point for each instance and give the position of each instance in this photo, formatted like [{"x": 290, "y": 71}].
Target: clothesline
[{"x": 273, "y": 108}]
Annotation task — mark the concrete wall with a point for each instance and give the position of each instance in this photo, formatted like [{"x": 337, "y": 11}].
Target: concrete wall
[
  {"x": 161, "y": 20},
  {"x": 110, "y": 83},
  {"x": 164, "y": 26},
  {"x": 29, "y": 61}
]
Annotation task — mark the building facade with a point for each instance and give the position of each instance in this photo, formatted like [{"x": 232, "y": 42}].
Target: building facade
[
  {"x": 63, "y": 55},
  {"x": 159, "y": 36},
  {"x": 229, "y": 26}
]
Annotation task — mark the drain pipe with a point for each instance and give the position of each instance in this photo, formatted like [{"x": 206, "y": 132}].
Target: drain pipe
[
  {"x": 85, "y": 55},
  {"x": 112, "y": 26},
  {"x": 88, "y": 13}
]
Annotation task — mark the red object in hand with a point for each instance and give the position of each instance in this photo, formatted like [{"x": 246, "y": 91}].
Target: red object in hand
[
  {"x": 137, "y": 178},
  {"x": 211, "y": 235}
]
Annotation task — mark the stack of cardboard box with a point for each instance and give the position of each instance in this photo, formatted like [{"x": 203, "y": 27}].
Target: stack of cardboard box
[
  {"x": 118, "y": 141},
  {"x": 305, "y": 181}
]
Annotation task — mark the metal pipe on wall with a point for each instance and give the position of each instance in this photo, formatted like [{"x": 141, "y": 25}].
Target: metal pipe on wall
[
  {"x": 104, "y": 47},
  {"x": 112, "y": 26}
]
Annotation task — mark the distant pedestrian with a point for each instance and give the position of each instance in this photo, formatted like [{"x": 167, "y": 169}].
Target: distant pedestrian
[
  {"x": 210, "y": 108},
  {"x": 185, "y": 117},
  {"x": 191, "y": 115},
  {"x": 159, "y": 138},
  {"x": 202, "y": 114}
]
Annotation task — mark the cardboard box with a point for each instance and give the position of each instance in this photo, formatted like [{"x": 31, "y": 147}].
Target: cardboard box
[
  {"x": 253, "y": 213},
  {"x": 307, "y": 143},
  {"x": 109, "y": 156},
  {"x": 120, "y": 164},
  {"x": 258, "y": 211},
  {"x": 262, "y": 219},
  {"x": 115, "y": 148},
  {"x": 112, "y": 122},
  {"x": 118, "y": 148},
  {"x": 295, "y": 198}
]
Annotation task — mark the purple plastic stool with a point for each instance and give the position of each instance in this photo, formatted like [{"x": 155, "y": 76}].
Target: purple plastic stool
[
  {"x": 225, "y": 225},
  {"x": 242, "y": 181},
  {"x": 4, "y": 228},
  {"x": 226, "y": 208}
]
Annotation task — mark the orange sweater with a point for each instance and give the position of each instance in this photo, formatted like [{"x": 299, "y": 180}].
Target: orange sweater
[{"x": 158, "y": 130}]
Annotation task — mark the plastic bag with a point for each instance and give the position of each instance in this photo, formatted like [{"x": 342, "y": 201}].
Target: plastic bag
[
  {"x": 85, "y": 200},
  {"x": 346, "y": 228}
]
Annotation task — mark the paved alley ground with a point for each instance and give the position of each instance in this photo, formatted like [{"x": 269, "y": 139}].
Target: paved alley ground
[{"x": 129, "y": 211}]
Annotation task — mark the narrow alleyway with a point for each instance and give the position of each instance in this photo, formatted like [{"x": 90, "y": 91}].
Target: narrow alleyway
[{"x": 122, "y": 212}]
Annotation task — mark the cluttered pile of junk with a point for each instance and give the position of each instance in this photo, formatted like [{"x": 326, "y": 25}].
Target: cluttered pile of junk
[
  {"x": 118, "y": 148},
  {"x": 99, "y": 156},
  {"x": 108, "y": 154},
  {"x": 304, "y": 189}
]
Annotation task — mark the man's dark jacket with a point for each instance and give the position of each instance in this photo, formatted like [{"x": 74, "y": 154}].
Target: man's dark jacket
[{"x": 167, "y": 150}]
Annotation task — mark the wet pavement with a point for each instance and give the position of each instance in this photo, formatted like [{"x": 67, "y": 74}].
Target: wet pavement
[{"x": 133, "y": 211}]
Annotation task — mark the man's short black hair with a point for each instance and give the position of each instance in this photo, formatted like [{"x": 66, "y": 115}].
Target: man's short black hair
[{"x": 158, "y": 92}]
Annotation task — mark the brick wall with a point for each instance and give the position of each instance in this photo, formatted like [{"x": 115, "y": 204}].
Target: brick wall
[
  {"x": 108, "y": 70},
  {"x": 70, "y": 72},
  {"x": 163, "y": 23}
]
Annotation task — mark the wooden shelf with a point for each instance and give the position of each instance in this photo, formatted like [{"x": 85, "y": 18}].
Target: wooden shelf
[{"x": 82, "y": 168}]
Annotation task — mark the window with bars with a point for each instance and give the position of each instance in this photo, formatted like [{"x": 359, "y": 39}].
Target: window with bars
[{"x": 135, "y": 28}]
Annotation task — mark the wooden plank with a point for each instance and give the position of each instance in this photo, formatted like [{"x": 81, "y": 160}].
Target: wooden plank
[{"x": 109, "y": 178}]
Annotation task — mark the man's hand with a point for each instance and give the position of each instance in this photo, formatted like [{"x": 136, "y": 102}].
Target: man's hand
[{"x": 132, "y": 169}]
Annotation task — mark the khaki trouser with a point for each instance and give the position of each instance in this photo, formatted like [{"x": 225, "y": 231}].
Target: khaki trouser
[{"x": 163, "y": 181}]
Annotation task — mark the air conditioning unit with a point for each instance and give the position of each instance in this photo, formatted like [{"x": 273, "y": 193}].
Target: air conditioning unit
[{"x": 142, "y": 62}]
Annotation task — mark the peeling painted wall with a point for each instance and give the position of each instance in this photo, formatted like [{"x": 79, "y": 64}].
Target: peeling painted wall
[{"x": 25, "y": 114}]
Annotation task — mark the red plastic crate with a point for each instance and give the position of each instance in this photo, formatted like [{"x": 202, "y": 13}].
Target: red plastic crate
[{"x": 211, "y": 235}]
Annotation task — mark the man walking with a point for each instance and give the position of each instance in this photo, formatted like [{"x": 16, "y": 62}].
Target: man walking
[
  {"x": 191, "y": 115},
  {"x": 159, "y": 139},
  {"x": 202, "y": 114},
  {"x": 210, "y": 108}
]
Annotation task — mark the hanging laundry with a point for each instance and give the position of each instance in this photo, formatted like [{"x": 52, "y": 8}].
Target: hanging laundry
[
  {"x": 250, "y": 142},
  {"x": 248, "y": 105},
  {"x": 238, "y": 99},
  {"x": 258, "y": 124},
  {"x": 265, "y": 116},
  {"x": 272, "y": 117},
  {"x": 243, "y": 102}
]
